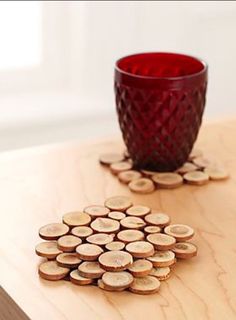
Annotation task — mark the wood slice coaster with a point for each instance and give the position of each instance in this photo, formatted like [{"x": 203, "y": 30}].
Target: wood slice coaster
[
  {"x": 105, "y": 225},
  {"x": 101, "y": 239},
  {"x": 180, "y": 232},
  {"x": 90, "y": 269},
  {"x": 115, "y": 246},
  {"x": 109, "y": 158},
  {"x": 68, "y": 243},
  {"x": 118, "y": 203},
  {"x": 157, "y": 219},
  {"x": 145, "y": 285},
  {"x": 76, "y": 278},
  {"x": 195, "y": 153},
  {"x": 203, "y": 162},
  {"x": 187, "y": 167},
  {"x": 160, "y": 273},
  {"x": 74, "y": 219},
  {"x": 140, "y": 268},
  {"x": 117, "y": 215},
  {"x": 149, "y": 173},
  {"x": 120, "y": 167},
  {"x": 138, "y": 211},
  {"x": 216, "y": 173},
  {"x": 82, "y": 232},
  {"x": 102, "y": 286},
  {"x": 140, "y": 249},
  {"x": 88, "y": 252},
  {"x": 129, "y": 175},
  {"x": 168, "y": 180},
  {"x": 162, "y": 259},
  {"x": 152, "y": 229},
  {"x": 68, "y": 260},
  {"x": 161, "y": 241},
  {"x": 117, "y": 280},
  {"x": 132, "y": 223},
  {"x": 142, "y": 186},
  {"x": 47, "y": 249},
  {"x": 126, "y": 154},
  {"x": 130, "y": 235},
  {"x": 96, "y": 211},
  {"x": 196, "y": 177},
  {"x": 115, "y": 260},
  {"x": 185, "y": 250},
  {"x": 53, "y": 231},
  {"x": 50, "y": 270}
]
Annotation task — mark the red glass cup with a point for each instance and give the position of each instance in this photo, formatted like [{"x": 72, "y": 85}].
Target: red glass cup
[{"x": 160, "y": 99}]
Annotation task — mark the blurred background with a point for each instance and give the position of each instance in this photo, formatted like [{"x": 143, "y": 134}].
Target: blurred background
[{"x": 57, "y": 59}]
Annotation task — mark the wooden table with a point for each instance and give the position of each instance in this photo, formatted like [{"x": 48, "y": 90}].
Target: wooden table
[{"x": 38, "y": 185}]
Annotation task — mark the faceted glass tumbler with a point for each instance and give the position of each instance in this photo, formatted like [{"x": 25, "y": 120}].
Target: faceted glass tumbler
[{"x": 160, "y": 99}]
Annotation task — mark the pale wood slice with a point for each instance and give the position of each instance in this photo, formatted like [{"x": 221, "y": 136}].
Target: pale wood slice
[
  {"x": 129, "y": 175},
  {"x": 53, "y": 231},
  {"x": 118, "y": 203},
  {"x": 109, "y": 158},
  {"x": 126, "y": 154},
  {"x": 68, "y": 243},
  {"x": 140, "y": 268},
  {"x": 216, "y": 173},
  {"x": 195, "y": 153},
  {"x": 117, "y": 215},
  {"x": 145, "y": 285},
  {"x": 74, "y": 219},
  {"x": 90, "y": 269},
  {"x": 105, "y": 225},
  {"x": 47, "y": 249},
  {"x": 152, "y": 229},
  {"x": 161, "y": 241},
  {"x": 68, "y": 260},
  {"x": 133, "y": 223},
  {"x": 100, "y": 239},
  {"x": 96, "y": 211},
  {"x": 196, "y": 177},
  {"x": 138, "y": 211},
  {"x": 120, "y": 167},
  {"x": 168, "y": 180},
  {"x": 102, "y": 286},
  {"x": 157, "y": 219},
  {"x": 203, "y": 162},
  {"x": 89, "y": 252},
  {"x": 160, "y": 273},
  {"x": 50, "y": 270},
  {"x": 140, "y": 249},
  {"x": 149, "y": 173},
  {"x": 130, "y": 235},
  {"x": 162, "y": 259},
  {"x": 117, "y": 280},
  {"x": 76, "y": 278},
  {"x": 180, "y": 232},
  {"x": 115, "y": 246},
  {"x": 82, "y": 231},
  {"x": 185, "y": 250},
  {"x": 142, "y": 186},
  {"x": 187, "y": 167},
  {"x": 115, "y": 260}
]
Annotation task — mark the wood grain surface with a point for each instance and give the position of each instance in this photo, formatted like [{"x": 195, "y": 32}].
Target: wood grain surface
[{"x": 38, "y": 185}]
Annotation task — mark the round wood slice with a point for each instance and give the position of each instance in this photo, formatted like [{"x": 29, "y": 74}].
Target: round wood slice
[
  {"x": 47, "y": 249},
  {"x": 130, "y": 235},
  {"x": 88, "y": 252},
  {"x": 160, "y": 273},
  {"x": 185, "y": 250},
  {"x": 117, "y": 280},
  {"x": 187, "y": 167},
  {"x": 168, "y": 180},
  {"x": 126, "y": 154},
  {"x": 101, "y": 239},
  {"x": 142, "y": 186},
  {"x": 132, "y": 223},
  {"x": 196, "y": 177},
  {"x": 115, "y": 246},
  {"x": 68, "y": 243},
  {"x": 149, "y": 173},
  {"x": 203, "y": 162},
  {"x": 216, "y": 173},
  {"x": 102, "y": 286},
  {"x": 129, "y": 175},
  {"x": 120, "y": 167},
  {"x": 90, "y": 269},
  {"x": 140, "y": 249},
  {"x": 68, "y": 260},
  {"x": 180, "y": 232},
  {"x": 195, "y": 153},
  {"x": 157, "y": 219},
  {"x": 53, "y": 231},
  {"x": 76, "y": 278},
  {"x": 82, "y": 232},
  {"x": 145, "y": 285},
  {"x": 74, "y": 219},
  {"x": 138, "y": 211},
  {"x": 161, "y": 241},
  {"x": 152, "y": 229},
  {"x": 105, "y": 225},
  {"x": 96, "y": 211},
  {"x": 117, "y": 215},
  {"x": 115, "y": 260},
  {"x": 109, "y": 158},
  {"x": 50, "y": 270},
  {"x": 118, "y": 203},
  {"x": 162, "y": 259},
  {"x": 140, "y": 268}
]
